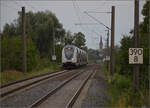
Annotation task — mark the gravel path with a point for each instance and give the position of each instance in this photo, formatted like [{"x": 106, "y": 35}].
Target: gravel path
[{"x": 96, "y": 95}]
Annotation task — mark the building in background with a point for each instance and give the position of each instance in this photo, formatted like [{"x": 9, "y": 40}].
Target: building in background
[{"x": 101, "y": 52}]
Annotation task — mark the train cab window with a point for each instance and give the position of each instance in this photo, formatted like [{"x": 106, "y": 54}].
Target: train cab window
[{"x": 69, "y": 52}]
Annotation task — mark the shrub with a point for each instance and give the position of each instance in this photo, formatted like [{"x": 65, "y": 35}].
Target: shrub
[
  {"x": 121, "y": 82},
  {"x": 11, "y": 56},
  {"x": 42, "y": 63}
]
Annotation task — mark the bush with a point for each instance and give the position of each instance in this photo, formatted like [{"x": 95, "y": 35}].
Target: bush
[
  {"x": 121, "y": 82},
  {"x": 42, "y": 63},
  {"x": 11, "y": 56}
]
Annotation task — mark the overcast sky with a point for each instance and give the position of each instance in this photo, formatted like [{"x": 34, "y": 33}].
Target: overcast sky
[{"x": 71, "y": 13}]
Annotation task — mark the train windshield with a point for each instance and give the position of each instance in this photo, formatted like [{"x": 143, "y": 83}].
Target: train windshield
[{"x": 69, "y": 52}]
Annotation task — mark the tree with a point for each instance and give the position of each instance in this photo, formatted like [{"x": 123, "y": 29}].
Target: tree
[
  {"x": 41, "y": 27},
  {"x": 68, "y": 38},
  {"x": 11, "y": 57},
  {"x": 79, "y": 40},
  {"x": 10, "y": 30},
  {"x": 144, "y": 43},
  {"x": 127, "y": 42},
  {"x": 123, "y": 63},
  {"x": 93, "y": 55}
]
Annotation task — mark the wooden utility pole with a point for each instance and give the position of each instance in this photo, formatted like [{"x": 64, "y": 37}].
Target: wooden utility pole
[
  {"x": 24, "y": 67},
  {"x": 112, "y": 62},
  {"x": 54, "y": 47},
  {"x": 136, "y": 44},
  {"x": 53, "y": 40}
]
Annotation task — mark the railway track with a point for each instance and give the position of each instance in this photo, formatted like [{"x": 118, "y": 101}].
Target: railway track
[
  {"x": 15, "y": 86},
  {"x": 42, "y": 99},
  {"x": 25, "y": 79},
  {"x": 36, "y": 96},
  {"x": 29, "y": 95},
  {"x": 75, "y": 96}
]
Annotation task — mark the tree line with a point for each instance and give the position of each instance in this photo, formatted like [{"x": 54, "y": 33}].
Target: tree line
[
  {"x": 123, "y": 77},
  {"x": 42, "y": 30},
  {"x": 122, "y": 61}
]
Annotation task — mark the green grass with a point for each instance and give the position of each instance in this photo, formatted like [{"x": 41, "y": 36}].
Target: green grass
[
  {"x": 11, "y": 75},
  {"x": 126, "y": 98},
  {"x": 120, "y": 90}
]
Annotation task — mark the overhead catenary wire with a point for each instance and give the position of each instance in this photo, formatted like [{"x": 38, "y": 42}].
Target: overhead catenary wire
[
  {"x": 79, "y": 17},
  {"x": 96, "y": 12},
  {"x": 96, "y": 20},
  {"x": 14, "y": 8},
  {"x": 95, "y": 24},
  {"x": 87, "y": 27},
  {"x": 17, "y": 4},
  {"x": 85, "y": 24},
  {"x": 78, "y": 0},
  {"x": 77, "y": 14},
  {"x": 5, "y": 8}
]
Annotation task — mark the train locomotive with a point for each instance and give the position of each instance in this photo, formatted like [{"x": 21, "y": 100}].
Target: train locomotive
[{"x": 73, "y": 56}]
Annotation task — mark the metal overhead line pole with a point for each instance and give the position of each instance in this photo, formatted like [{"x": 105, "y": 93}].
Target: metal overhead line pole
[
  {"x": 24, "y": 67},
  {"x": 112, "y": 62},
  {"x": 136, "y": 44}
]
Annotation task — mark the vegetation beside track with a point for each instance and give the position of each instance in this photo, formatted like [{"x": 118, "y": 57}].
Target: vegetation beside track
[
  {"x": 121, "y": 92},
  {"x": 40, "y": 27},
  {"x": 11, "y": 75},
  {"x": 120, "y": 88}
]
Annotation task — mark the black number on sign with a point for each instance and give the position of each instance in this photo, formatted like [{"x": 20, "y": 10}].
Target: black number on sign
[
  {"x": 131, "y": 52},
  {"x": 135, "y": 59},
  {"x": 140, "y": 52}
]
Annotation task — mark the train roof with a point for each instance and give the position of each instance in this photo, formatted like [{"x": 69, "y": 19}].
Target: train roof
[
  {"x": 69, "y": 46},
  {"x": 75, "y": 47}
]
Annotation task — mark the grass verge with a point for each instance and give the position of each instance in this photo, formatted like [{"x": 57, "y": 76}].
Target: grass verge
[
  {"x": 11, "y": 75},
  {"x": 121, "y": 92}
]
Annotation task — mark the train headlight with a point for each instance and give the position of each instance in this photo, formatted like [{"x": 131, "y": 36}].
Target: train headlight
[{"x": 73, "y": 59}]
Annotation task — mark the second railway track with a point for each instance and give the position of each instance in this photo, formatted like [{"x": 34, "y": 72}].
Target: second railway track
[
  {"x": 15, "y": 86},
  {"x": 28, "y": 96},
  {"x": 25, "y": 79},
  {"x": 59, "y": 91}
]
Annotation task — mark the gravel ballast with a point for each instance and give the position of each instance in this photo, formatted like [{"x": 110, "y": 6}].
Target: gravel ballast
[
  {"x": 26, "y": 98},
  {"x": 96, "y": 95}
]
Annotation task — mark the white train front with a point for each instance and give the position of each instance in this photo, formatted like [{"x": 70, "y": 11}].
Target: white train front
[{"x": 72, "y": 56}]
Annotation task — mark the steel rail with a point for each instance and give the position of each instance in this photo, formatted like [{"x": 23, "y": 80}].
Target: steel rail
[
  {"x": 25, "y": 79},
  {"x": 42, "y": 99},
  {"x": 74, "y": 98},
  {"x": 29, "y": 84}
]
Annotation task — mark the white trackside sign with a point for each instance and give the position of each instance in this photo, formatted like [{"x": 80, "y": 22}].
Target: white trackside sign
[
  {"x": 135, "y": 55},
  {"x": 54, "y": 57}
]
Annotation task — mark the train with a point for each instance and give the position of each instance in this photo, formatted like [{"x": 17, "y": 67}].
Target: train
[{"x": 73, "y": 56}]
